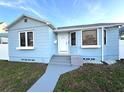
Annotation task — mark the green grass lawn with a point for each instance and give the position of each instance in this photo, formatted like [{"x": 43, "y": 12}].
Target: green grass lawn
[
  {"x": 17, "y": 76},
  {"x": 92, "y": 77}
]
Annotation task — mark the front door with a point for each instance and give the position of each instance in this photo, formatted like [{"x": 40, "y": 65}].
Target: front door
[{"x": 63, "y": 43}]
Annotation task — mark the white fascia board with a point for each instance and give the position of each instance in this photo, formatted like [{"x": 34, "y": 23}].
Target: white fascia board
[{"x": 82, "y": 28}]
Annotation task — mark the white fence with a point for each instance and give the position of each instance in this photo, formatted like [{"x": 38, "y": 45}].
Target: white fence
[
  {"x": 4, "y": 52},
  {"x": 121, "y": 49}
]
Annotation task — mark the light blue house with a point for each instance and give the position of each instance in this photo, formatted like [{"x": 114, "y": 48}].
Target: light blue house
[{"x": 35, "y": 40}]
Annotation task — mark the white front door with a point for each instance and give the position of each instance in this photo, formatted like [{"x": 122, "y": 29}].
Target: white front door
[{"x": 63, "y": 43}]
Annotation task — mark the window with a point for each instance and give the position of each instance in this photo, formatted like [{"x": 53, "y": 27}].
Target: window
[
  {"x": 121, "y": 35},
  {"x": 30, "y": 38},
  {"x": 73, "y": 38},
  {"x": 25, "y": 20},
  {"x": 89, "y": 37},
  {"x": 4, "y": 40},
  {"x": 104, "y": 37},
  {"x": 22, "y": 39},
  {"x": 26, "y": 39}
]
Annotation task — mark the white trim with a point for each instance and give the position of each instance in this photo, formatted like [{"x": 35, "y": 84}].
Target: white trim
[
  {"x": 82, "y": 28},
  {"x": 81, "y": 38},
  {"x": 98, "y": 36},
  {"x": 33, "y": 18},
  {"x": 75, "y": 29},
  {"x": 25, "y": 48},
  {"x": 70, "y": 39},
  {"x": 91, "y": 46},
  {"x": 102, "y": 53},
  {"x": 19, "y": 38},
  {"x": 26, "y": 43}
]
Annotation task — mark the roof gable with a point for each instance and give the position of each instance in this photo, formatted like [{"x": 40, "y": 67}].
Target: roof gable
[{"x": 36, "y": 19}]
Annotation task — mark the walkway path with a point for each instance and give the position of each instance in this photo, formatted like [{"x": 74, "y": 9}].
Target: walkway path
[{"x": 48, "y": 81}]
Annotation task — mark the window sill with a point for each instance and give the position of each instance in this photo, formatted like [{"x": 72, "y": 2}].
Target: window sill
[
  {"x": 25, "y": 48},
  {"x": 91, "y": 46}
]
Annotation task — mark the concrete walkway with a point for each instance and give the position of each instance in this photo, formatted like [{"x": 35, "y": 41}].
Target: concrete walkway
[{"x": 48, "y": 81}]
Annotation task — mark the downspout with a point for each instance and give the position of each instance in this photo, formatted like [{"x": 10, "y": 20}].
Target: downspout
[{"x": 102, "y": 53}]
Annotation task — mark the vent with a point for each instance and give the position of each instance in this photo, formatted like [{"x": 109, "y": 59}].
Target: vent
[
  {"x": 91, "y": 59},
  {"x": 25, "y": 20},
  {"x": 28, "y": 60}
]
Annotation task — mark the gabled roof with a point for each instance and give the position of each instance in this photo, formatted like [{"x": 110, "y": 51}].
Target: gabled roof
[
  {"x": 68, "y": 28},
  {"x": 37, "y": 19},
  {"x": 87, "y": 26}
]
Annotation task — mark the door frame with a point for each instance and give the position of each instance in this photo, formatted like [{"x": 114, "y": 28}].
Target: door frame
[{"x": 67, "y": 44}]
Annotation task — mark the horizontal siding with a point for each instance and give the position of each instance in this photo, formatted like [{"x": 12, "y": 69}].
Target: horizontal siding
[
  {"x": 85, "y": 53},
  {"x": 42, "y": 46},
  {"x": 111, "y": 49}
]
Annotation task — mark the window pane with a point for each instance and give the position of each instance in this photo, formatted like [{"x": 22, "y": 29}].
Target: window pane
[
  {"x": 73, "y": 38},
  {"x": 30, "y": 38},
  {"x": 104, "y": 37},
  {"x": 89, "y": 37},
  {"x": 22, "y": 39}
]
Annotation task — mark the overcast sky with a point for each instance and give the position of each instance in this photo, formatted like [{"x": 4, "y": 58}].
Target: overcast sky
[{"x": 64, "y": 12}]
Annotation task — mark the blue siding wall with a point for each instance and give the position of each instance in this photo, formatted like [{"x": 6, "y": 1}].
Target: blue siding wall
[
  {"x": 111, "y": 49},
  {"x": 43, "y": 42},
  {"x": 86, "y": 52},
  {"x": 53, "y": 42}
]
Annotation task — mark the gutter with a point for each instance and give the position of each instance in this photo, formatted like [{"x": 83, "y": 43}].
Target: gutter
[{"x": 82, "y": 28}]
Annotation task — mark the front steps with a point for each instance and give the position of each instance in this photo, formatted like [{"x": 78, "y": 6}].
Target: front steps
[
  {"x": 61, "y": 59},
  {"x": 66, "y": 60}
]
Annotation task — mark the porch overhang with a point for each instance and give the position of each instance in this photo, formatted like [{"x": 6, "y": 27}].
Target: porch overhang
[{"x": 83, "y": 28}]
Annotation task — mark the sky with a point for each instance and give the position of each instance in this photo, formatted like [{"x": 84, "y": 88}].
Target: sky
[{"x": 64, "y": 12}]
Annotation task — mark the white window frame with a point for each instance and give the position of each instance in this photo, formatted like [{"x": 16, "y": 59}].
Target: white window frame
[
  {"x": 70, "y": 38},
  {"x": 90, "y": 46},
  {"x": 26, "y": 47}
]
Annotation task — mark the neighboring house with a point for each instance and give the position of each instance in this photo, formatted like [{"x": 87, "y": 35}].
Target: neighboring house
[
  {"x": 4, "y": 38},
  {"x": 122, "y": 33},
  {"x": 3, "y": 33},
  {"x": 3, "y": 26},
  {"x": 3, "y": 42},
  {"x": 35, "y": 40}
]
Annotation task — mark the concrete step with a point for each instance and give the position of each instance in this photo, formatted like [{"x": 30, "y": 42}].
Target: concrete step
[
  {"x": 64, "y": 60},
  {"x": 60, "y": 63},
  {"x": 62, "y": 55},
  {"x": 57, "y": 59},
  {"x": 67, "y": 58}
]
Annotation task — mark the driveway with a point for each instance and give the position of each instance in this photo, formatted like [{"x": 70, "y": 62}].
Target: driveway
[{"x": 49, "y": 80}]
